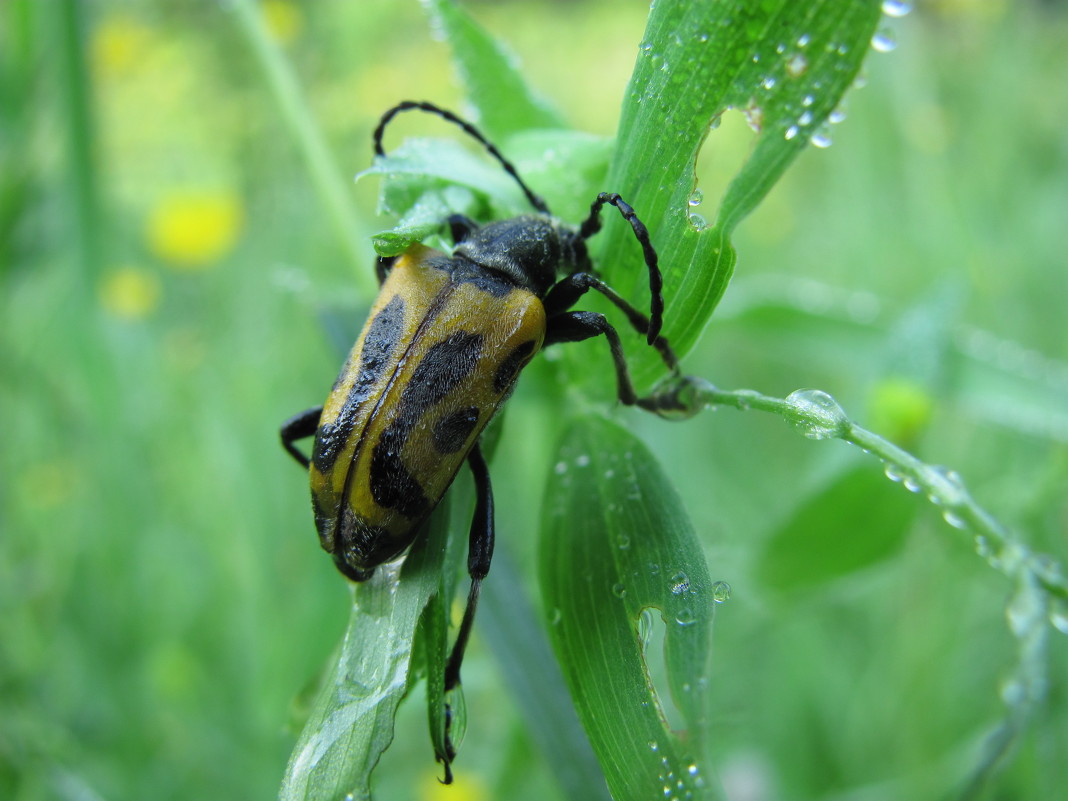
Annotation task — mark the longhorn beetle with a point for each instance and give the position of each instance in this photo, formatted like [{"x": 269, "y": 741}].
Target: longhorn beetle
[{"x": 445, "y": 342}]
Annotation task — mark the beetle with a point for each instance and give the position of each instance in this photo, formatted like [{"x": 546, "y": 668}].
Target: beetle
[{"x": 440, "y": 353}]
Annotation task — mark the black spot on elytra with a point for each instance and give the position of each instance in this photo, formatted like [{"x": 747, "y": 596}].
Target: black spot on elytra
[
  {"x": 392, "y": 485},
  {"x": 382, "y": 336},
  {"x": 512, "y": 364},
  {"x": 451, "y": 431},
  {"x": 444, "y": 366}
]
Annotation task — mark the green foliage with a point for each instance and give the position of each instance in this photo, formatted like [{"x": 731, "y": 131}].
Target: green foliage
[
  {"x": 615, "y": 543},
  {"x": 162, "y": 595}
]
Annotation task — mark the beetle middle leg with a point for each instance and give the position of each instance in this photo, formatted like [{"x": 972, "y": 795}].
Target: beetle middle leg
[
  {"x": 566, "y": 293},
  {"x": 300, "y": 426}
]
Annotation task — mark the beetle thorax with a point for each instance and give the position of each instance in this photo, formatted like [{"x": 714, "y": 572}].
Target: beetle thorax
[{"x": 530, "y": 249}]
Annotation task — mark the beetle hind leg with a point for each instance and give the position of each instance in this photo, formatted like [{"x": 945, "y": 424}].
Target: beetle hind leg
[{"x": 479, "y": 556}]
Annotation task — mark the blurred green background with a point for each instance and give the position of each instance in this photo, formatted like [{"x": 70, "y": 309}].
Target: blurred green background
[{"x": 173, "y": 289}]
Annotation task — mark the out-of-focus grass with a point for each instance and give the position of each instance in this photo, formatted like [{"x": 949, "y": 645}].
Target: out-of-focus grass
[{"x": 162, "y": 597}]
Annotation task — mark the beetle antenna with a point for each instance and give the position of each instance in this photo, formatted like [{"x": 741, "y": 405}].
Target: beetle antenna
[
  {"x": 470, "y": 130},
  {"x": 656, "y": 281}
]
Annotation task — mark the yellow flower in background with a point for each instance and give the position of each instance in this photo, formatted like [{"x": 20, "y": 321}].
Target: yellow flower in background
[
  {"x": 129, "y": 293},
  {"x": 283, "y": 19},
  {"x": 193, "y": 229},
  {"x": 466, "y": 786},
  {"x": 118, "y": 43}
]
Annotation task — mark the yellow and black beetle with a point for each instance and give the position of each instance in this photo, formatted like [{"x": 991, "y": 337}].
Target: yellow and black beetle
[{"x": 441, "y": 352}]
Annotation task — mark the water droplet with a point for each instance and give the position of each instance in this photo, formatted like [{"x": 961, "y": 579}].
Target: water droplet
[
  {"x": 680, "y": 583},
  {"x": 619, "y": 590},
  {"x": 807, "y": 100},
  {"x": 721, "y": 592},
  {"x": 982, "y": 546},
  {"x": 822, "y": 137},
  {"x": 556, "y": 616},
  {"x": 791, "y": 132},
  {"x": 837, "y": 115},
  {"x": 653, "y": 746},
  {"x": 654, "y": 568},
  {"x": 623, "y": 542},
  {"x": 803, "y": 40},
  {"x": 820, "y": 416},
  {"x": 1026, "y": 609},
  {"x": 893, "y": 472},
  {"x": 883, "y": 41},
  {"x": 953, "y": 519},
  {"x": 1013, "y": 692},
  {"x": 946, "y": 485},
  {"x": 561, "y": 468},
  {"x": 896, "y": 8},
  {"x": 696, "y": 197},
  {"x": 697, "y": 221},
  {"x": 645, "y": 627},
  {"x": 796, "y": 65},
  {"x": 583, "y": 460},
  {"x": 703, "y": 37},
  {"x": 1058, "y": 616},
  {"x": 805, "y": 118},
  {"x": 911, "y": 484},
  {"x": 685, "y": 617}
]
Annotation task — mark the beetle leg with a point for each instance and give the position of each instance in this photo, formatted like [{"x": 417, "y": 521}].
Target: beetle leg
[
  {"x": 461, "y": 227},
  {"x": 577, "y": 326},
  {"x": 563, "y": 295},
  {"x": 479, "y": 556},
  {"x": 383, "y": 264},
  {"x": 300, "y": 426},
  {"x": 592, "y": 225}
]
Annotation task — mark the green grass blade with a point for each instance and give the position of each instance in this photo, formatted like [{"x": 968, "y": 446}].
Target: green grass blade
[
  {"x": 491, "y": 75},
  {"x": 351, "y": 723},
  {"x": 616, "y": 542},
  {"x": 509, "y": 624},
  {"x": 788, "y": 64},
  {"x": 322, "y": 167}
]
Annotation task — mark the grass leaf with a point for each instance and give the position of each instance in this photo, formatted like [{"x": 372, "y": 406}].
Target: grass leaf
[
  {"x": 491, "y": 75},
  {"x": 352, "y": 721},
  {"x": 787, "y": 65},
  {"x": 615, "y": 543}
]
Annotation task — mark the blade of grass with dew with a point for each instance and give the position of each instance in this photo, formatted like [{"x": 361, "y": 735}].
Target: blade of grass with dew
[
  {"x": 321, "y": 164},
  {"x": 616, "y": 542},
  {"x": 1039, "y": 599},
  {"x": 788, "y": 65},
  {"x": 351, "y": 723}
]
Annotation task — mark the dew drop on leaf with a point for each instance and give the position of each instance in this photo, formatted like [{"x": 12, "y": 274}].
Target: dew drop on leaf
[
  {"x": 883, "y": 41},
  {"x": 820, "y": 415},
  {"x": 896, "y": 8},
  {"x": 721, "y": 592}
]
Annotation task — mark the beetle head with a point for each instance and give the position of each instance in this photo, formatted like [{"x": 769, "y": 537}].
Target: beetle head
[{"x": 530, "y": 249}]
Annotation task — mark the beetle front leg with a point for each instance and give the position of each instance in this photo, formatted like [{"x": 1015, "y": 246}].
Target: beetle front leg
[
  {"x": 300, "y": 426},
  {"x": 461, "y": 227}
]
